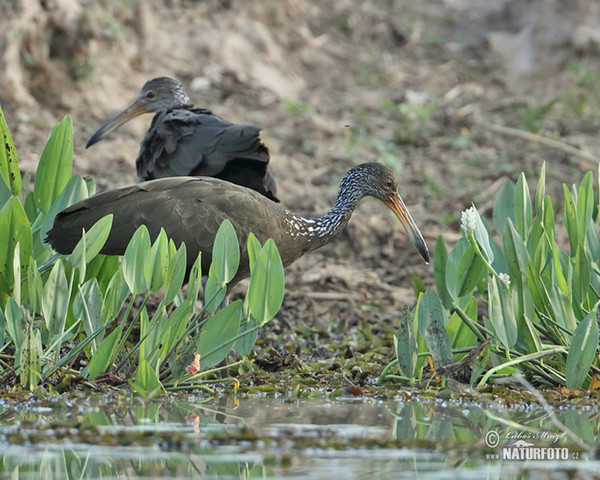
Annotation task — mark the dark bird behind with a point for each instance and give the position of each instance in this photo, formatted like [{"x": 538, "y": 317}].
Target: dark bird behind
[
  {"x": 191, "y": 209},
  {"x": 183, "y": 141}
]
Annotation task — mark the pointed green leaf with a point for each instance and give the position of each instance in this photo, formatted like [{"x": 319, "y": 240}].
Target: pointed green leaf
[
  {"x": 523, "y": 214},
  {"x": 464, "y": 269},
  {"x": 248, "y": 327},
  {"x": 9, "y": 166},
  {"x": 267, "y": 284},
  {"x": 55, "y": 166},
  {"x": 30, "y": 361},
  {"x": 103, "y": 357},
  {"x": 502, "y": 312},
  {"x": 585, "y": 205},
  {"x": 15, "y": 324},
  {"x": 540, "y": 192},
  {"x": 55, "y": 301},
  {"x": 157, "y": 262},
  {"x": 504, "y": 206},
  {"x": 405, "y": 343},
  {"x": 218, "y": 334},
  {"x": 93, "y": 240},
  {"x": 440, "y": 259},
  {"x": 225, "y": 254},
  {"x": 14, "y": 228},
  {"x": 146, "y": 377},
  {"x": 176, "y": 273},
  {"x": 517, "y": 258},
  {"x": 432, "y": 318},
  {"x": 87, "y": 307},
  {"x": 134, "y": 261},
  {"x": 570, "y": 219},
  {"x": 74, "y": 191},
  {"x": 582, "y": 350},
  {"x": 253, "y": 250}
]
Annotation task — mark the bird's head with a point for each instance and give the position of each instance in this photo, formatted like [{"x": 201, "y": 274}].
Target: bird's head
[
  {"x": 377, "y": 180},
  {"x": 157, "y": 94}
]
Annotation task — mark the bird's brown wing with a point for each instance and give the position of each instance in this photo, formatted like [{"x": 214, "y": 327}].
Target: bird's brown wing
[
  {"x": 195, "y": 142},
  {"x": 190, "y": 209}
]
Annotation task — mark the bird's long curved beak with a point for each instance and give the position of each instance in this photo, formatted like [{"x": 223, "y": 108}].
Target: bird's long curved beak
[
  {"x": 396, "y": 205},
  {"x": 134, "y": 110}
]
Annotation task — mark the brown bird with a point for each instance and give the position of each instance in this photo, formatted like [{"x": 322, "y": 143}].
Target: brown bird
[
  {"x": 183, "y": 140},
  {"x": 191, "y": 209}
]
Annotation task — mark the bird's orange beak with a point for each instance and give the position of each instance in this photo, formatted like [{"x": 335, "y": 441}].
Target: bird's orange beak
[
  {"x": 396, "y": 205},
  {"x": 134, "y": 110}
]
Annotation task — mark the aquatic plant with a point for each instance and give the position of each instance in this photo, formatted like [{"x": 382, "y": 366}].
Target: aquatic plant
[
  {"x": 87, "y": 316},
  {"x": 516, "y": 299}
]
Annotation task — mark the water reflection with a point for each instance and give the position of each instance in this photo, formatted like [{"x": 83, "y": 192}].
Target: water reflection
[{"x": 193, "y": 437}]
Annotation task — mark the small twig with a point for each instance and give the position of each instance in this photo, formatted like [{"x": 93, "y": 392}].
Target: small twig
[{"x": 587, "y": 160}]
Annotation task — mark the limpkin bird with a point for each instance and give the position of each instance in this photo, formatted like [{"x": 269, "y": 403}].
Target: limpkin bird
[
  {"x": 183, "y": 141},
  {"x": 191, "y": 209}
]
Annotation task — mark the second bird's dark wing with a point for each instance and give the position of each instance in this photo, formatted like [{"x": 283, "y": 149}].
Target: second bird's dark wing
[{"x": 192, "y": 141}]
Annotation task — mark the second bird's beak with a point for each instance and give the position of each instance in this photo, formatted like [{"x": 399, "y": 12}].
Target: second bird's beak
[
  {"x": 396, "y": 205},
  {"x": 134, "y": 110}
]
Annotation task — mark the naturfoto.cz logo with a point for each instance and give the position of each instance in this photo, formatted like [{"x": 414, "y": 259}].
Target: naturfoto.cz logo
[{"x": 522, "y": 449}]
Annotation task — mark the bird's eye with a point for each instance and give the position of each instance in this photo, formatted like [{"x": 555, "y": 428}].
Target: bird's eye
[
  {"x": 151, "y": 95},
  {"x": 389, "y": 184}
]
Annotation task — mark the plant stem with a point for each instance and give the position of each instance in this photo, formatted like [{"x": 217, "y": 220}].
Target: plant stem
[{"x": 518, "y": 360}]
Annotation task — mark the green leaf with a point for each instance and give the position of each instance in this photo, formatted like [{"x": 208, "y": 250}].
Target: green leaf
[
  {"x": 525, "y": 313},
  {"x": 461, "y": 336},
  {"x": 14, "y": 228},
  {"x": 146, "y": 378},
  {"x": 34, "y": 289},
  {"x": 30, "y": 361},
  {"x": 248, "y": 328},
  {"x": 540, "y": 192},
  {"x": 517, "y": 258},
  {"x": 55, "y": 300},
  {"x": 464, "y": 269},
  {"x": 585, "y": 205},
  {"x": 55, "y": 166},
  {"x": 3, "y": 330},
  {"x": 432, "y": 318},
  {"x": 157, "y": 262},
  {"x": 15, "y": 324},
  {"x": 218, "y": 334},
  {"x": 115, "y": 295},
  {"x": 570, "y": 219},
  {"x": 253, "y": 250},
  {"x": 9, "y": 166},
  {"x": 523, "y": 213},
  {"x": 581, "y": 277},
  {"x": 134, "y": 261},
  {"x": 582, "y": 350},
  {"x": 87, "y": 307},
  {"x": 267, "y": 284},
  {"x": 74, "y": 191},
  {"x": 224, "y": 265},
  {"x": 225, "y": 254},
  {"x": 103, "y": 357},
  {"x": 176, "y": 273},
  {"x": 93, "y": 240},
  {"x": 481, "y": 236},
  {"x": 440, "y": 259},
  {"x": 504, "y": 206},
  {"x": 502, "y": 312},
  {"x": 405, "y": 343},
  {"x": 214, "y": 293},
  {"x": 195, "y": 280}
]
